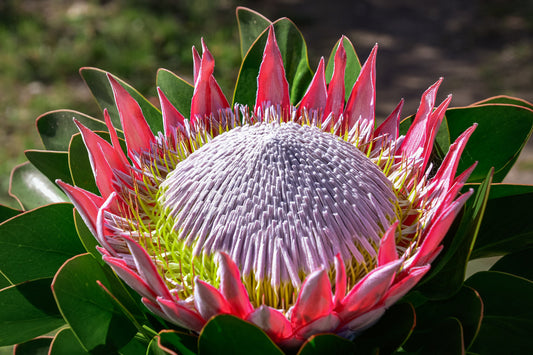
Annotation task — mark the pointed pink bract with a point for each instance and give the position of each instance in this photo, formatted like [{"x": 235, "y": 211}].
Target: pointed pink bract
[{"x": 272, "y": 85}]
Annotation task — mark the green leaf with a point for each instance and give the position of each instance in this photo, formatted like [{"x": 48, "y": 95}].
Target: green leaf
[
  {"x": 100, "y": 87},
  {"x": 507, "y": 100},
  {"x": 182, "y": 343},
  {"x": 502, "y": 133},
  {"x": 33, "y": 189},
  {"x": 38, "y": 346},
  {"x": 96, "y": 320},
  {"x": 507, "y": 225},
  {"x": 226, "y": 334},
  {"x": 326, "y": 343},
  {"x": 446, "y": 339},
  {"x": 353, "y": 66},
  {"x": 28, "y": 311},
  {"x": 508, "y": 316},
  {"x": 87, "y": 238},
  {"x": 449, "y": 269},
  {"x": 294, "y": 54},
  {"x": 7, "y": 213},
  {"x": 389, "y": 333},
  {"x": 251, "y": 25},
  {"x": 57, "y": 127},
  {"x": 518, "y": 263},
  {"x": 178, "y": 91},
  {"x": 65, "y": 343},
  {"x": 137, "y": 345},
  {"x": 54, "y": 165},
  {"x": 36, "y": 243},
  {"x": 465, "y": 305}
]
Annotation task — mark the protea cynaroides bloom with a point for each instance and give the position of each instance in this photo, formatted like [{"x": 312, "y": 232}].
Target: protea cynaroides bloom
[{"x": 299, "y": 219}]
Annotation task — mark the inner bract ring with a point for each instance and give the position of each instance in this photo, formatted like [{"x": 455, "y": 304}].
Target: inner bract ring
[{"x": 282, "y": 199}]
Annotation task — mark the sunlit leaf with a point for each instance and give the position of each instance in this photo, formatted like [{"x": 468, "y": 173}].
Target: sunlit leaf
[
  {"x": 353, "y": 66},
  {"x": 54, "y": 165},
  {"x": 32, "y": 189},
  {"x": 66, "y": 343},
  {"x": 57, "y": 127},
  {"x": 251, "y": 25}
]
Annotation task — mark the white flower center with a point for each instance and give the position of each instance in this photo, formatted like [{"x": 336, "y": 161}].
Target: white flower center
[{"x": 281, "y": 199}]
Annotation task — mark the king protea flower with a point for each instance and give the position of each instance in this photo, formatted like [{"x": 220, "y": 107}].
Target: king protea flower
[{"x": 299, "y": 219}]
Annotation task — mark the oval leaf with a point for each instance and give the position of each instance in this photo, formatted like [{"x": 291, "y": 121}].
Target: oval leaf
[
  {"x": 226, "y": 334},
  {"x": 95, "y": 318},
  {"x": 518, "y": 264},
  {"x": 54, "y": 165},
  {"x": 502, "y": 132},
  {"x": 57, "y": 127},
  {"x": 508, "y": 316},
  {"x": 36, "y": 346},
  {"x": 507, "y": 225},
  {"x": 36, "y": 243},
  {"x": 28, "y": 311},
  {"x": 65, "y": 343},
  {"x": 251, "y": 25},
  {"x": 33, "y": 189}
]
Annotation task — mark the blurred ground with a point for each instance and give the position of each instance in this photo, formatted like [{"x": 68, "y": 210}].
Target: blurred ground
[{"x": 481, "y": 48}]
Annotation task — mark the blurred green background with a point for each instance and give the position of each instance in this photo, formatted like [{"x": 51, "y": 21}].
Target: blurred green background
[{"x": 482, "y": 48}]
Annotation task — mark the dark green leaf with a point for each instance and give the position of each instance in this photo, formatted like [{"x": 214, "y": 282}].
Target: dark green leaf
[
  {"x": 508, "y": 313},
  {"x": 178, "y": 91},
  {"x": 38, "y": 346},
  {"x": 100, "y": 87},
  {"x": 36, "y": 243},
  {"x": 87, "y": 238},
  {"x": 137, "y": 345},
  {"x": 56, "y": 127},
  {"x": 502, "y": 133},
  {"x": 251, "y": 25},
  {"x": 353, "y": 66},
  {"x": 507, "y": 225},
  {"x": 28, "y": 311},
  {"x": 508, "y": 100},
  {"x": 446, "y": 339},
  {"x": 326, "y": 343},
  {"x": 7, "y": 213},
  {"x": 32, "y": 189},
  {"x": 390, "y": 332},
  {"x": 66, "y": 343},
  {"x": 96, "y": 320},
  {"x": 182, "y": 343},
  {"x": 519, "y": 263},
  {"x": 448, "y": 270},
  {"x": 226, "y": 334},
  {"x": 52, "y": 164},
  {"x": 294, "y": 54},
  {"x": 465, "y": 305}
]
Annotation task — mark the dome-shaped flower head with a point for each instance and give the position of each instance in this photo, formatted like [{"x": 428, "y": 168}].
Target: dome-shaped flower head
[{"x": 299, "y": 219}]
